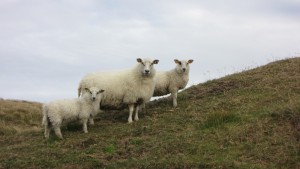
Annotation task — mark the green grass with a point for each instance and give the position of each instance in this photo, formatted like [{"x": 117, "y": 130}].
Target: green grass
[{"x": 245, "y": 120}]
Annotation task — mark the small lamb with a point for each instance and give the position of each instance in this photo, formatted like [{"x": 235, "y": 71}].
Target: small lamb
[
  {"x": 173, "y": 80},
  {"x": 59, "y": 111}
]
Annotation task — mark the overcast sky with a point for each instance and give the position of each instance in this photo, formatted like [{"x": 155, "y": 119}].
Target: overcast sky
[{"x": 47, "y": 46}]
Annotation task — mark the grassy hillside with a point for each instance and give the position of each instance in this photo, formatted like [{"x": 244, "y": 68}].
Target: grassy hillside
[
  {"x": 19, "y": 117},
  {"x": 246, "y": 120}
]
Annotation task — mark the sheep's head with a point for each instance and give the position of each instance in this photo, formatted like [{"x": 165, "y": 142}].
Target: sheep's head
[
  {"x": 146, "y": 66},
  {"x": 183, "y": 66},
  {"x": 93, "y": 93}
]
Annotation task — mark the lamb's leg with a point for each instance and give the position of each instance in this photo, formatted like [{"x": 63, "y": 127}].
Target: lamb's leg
[
  {"x": 58, "y": 132},
  {"x": 47, "y": 131},
  {"x": 174, "y": 96},
  {"x": 84, "y": 123},
  {"x": 131, "y": 108},
  {"x": 136, "y": 117}
]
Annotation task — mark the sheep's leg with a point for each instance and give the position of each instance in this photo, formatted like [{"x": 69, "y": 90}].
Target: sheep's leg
[
  {"x": 136, "y": 117},
  {"x": 143, "y": 107},
  {"x": 131, "y": 108},
  {"x": 91, "y": 120},
  {"x": 58, "y": 132},
  {"x": 47, "y": 131},
  {"x": 174, "y": 96},
  {"x": 84, "y": 125}
]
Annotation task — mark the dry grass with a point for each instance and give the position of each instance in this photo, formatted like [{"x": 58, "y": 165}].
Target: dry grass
[
  {"x": 19, "y": 116},
  {"x": 246, "y": 120}
]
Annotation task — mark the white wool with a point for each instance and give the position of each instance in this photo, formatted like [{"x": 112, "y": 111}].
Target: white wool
[
  {"x": 129, "y": 87},
  {"x": 63, "y": 111},
  {"x": 173, "y": 80}
]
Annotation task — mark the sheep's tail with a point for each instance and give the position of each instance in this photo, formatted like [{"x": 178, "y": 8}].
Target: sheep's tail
[
  {"x": 79, "y": 90},
  {"x": 45, "y": 116}
]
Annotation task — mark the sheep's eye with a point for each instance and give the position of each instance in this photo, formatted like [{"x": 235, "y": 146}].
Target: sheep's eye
[
  {"x": 91, "y": 92},
  {"x": 179, "y": 63},
  {"x": 98, "y": 92},
  {"x": 142, "y": 63}
]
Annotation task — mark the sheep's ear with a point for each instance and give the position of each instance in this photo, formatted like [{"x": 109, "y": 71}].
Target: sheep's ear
[
  {"x": 100, "y": 91},
  {"x": 139, "y": 60},
  {"x": 190, "y": 61},
  {"x": 155, "y": 61},
  {"x": 87, "y": 89},
  {"x": 177, "y": 61}
]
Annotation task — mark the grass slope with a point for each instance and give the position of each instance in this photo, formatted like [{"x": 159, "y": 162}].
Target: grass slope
[{"x": 246, "y": 120}]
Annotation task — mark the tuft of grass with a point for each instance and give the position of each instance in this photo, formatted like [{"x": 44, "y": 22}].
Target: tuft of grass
[
  {"x": 110, "y": 149},
  {"x": 220, "y": 119},
  {"x": 136, "y": 142}
]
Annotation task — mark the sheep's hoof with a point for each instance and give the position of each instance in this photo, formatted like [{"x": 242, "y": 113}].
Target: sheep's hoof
[
  {"x": 136, "y": 119},
  {"x": 91, "y": 121},
  {"x": 46, "y": 137},
  {"x": 174, "y": 105},
  {"x": 129, "y": 121}
]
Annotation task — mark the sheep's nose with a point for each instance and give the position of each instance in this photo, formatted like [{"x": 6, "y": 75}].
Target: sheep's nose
[
  {"x": 184, "y": 69},
  {"x": 94, "y": 98},
  {"x": 147, "y": 71}
]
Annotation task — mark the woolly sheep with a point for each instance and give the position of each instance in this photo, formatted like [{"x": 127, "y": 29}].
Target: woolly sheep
[
  {"x": 131, "y": 87},
  {"x": 173, "y": 80},
  {"x": 56, "y": 112}
]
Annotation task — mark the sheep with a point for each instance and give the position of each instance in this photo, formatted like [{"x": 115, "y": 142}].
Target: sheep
[
  {"x": 173, "y": 80},
  {"x": 56, "y": 112},
  {"x": 130, "y": 88}
]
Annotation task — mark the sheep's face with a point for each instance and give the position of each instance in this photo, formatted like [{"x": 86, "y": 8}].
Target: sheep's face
[
  {"x": 183, "y": 66},
  {"x": 94, "y": 93},
  {"x": 146, "y": 66}
]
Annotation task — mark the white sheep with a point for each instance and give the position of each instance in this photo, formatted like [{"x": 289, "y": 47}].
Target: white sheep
[
  {"x": 63, "y": 111},
  {"x": 173, "y": 80},
  {"x": 131, "y": 87}
]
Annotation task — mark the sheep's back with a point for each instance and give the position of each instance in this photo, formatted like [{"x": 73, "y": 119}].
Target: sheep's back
[
  {"x": 63, "y": 109},
  {"x": 120, "y": 87}
]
